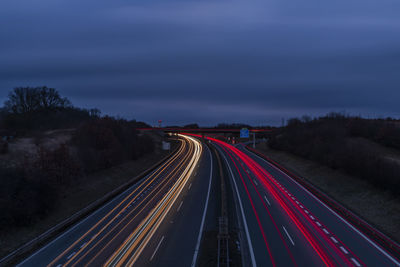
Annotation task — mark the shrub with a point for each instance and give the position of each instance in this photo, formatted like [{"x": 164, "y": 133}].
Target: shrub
[
  {"x": 24, "y": 199},
  {"x": 327, "y": 141},
  {"x": 106, "y": 142}
]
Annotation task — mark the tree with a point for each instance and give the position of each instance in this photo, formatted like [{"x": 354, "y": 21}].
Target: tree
[
  {"x": 24, "y": 100},
  {"x": 192, "y": 126}
]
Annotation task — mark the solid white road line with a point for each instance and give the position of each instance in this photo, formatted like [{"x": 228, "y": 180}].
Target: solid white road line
[
  {"x": 155, "y": 251},
  {"x": 196, "y": 251},
  {"x": 332, "y": 211},
  {"x": 291, "y": 240},
  {"x": 253, "y": 259}
]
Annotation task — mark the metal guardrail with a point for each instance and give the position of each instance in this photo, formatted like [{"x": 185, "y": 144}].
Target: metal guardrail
[
  {"x": 384, "y": 241},
  {"x": 50, "y": 234}
]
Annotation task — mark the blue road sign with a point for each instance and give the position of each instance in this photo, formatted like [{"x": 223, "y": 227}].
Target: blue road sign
[{"x": 244, "y": 133}]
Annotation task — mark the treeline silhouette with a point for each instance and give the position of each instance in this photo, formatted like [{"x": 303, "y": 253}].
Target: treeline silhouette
[
  {"x": 334, "y": 140},
  {"x": 30, "y": 189},
  {"x": 40, "y": 108}
]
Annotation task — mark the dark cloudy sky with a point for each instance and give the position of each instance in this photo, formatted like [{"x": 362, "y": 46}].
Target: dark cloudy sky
[{"x": 207, "y": 61}]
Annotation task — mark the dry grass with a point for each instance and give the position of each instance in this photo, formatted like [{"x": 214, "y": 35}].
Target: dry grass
[
  {"x": 380, "y": 208},
  {"x": 19, "y": 148}
]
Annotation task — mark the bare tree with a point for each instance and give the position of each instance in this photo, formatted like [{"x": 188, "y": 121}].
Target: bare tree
[{"x": 28, "y": 99}]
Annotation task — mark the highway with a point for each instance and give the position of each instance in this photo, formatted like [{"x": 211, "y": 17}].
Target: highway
[
  {"x": 285, "y": 225},
  {"x": 145, "y": 224},
  {"x": 160, "y": 221}
]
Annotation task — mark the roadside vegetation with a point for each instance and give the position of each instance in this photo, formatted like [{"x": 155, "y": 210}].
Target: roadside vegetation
[
  {"x": 49, "y": 148},
  {"x": 368, "y": 149}
]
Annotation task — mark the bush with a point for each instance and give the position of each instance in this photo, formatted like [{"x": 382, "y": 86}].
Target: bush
[
  {"x": 57, "y": 166},
  {"x": 106, "y": 142},
  {"x": 24, "y": 199},
  {"x": 327, "y": 141}
]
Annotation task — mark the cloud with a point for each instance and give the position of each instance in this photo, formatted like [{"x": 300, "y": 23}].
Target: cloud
[{"x": 273, "y": 58}]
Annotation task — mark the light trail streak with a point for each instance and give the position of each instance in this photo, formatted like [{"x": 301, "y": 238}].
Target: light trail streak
[
  {"x": 131, "y": 249},
  {"x": 320, "y": 251},
  {"x": 266, "y": 179},
  {"x": 256, "y": 214},
  {"x": 150, "y": 181}
]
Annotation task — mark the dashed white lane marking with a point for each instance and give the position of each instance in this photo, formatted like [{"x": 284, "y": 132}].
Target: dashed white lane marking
[
  {"x": 319, "y": 224},
  {"x": 180, "y": 205},
  {"x": 155, "y": 251},
  {"x": 82, "y": 245},
  {"x": 291, "y": 240},
  {"x": 59, "y": 265},
  {"x": 93, "y": 236},
  {"x": 190, "y": 185},
  {"x": 344, "y": 250},
  {"x": 71, "y": 255},
  {"x": 255, "y": 182},
  {"x": 355, "y": 262},
  {"x": 266, "y": 199},
  {"x": 334, "y": 239}
]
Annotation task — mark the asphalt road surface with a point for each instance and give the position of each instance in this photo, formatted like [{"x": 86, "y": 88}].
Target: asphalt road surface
[{"x": 285, "y": 225}]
